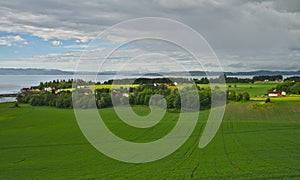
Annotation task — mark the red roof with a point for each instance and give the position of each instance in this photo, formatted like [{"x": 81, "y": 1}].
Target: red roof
[{"x": 274, "y": 92}]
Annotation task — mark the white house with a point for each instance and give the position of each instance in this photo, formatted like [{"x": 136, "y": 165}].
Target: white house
[{"x": 47, "y": 88}]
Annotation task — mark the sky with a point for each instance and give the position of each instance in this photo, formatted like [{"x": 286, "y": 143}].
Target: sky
[{"x": 245, "y": 35}]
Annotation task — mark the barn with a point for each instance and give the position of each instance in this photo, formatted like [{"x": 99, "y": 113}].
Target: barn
[{"x": 274, "y": 94}]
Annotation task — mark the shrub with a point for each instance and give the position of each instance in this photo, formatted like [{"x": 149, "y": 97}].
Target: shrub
[
  {"x": 246, "y": 96},
  {"x": 231, "y": 95},
  {"x": 295, "y": 89},
  {"x": 239, "y": 97},
  {"x": 16, "y": 105}
]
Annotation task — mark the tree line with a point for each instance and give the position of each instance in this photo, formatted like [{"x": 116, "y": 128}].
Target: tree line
[
  {"x": 203, "y": 80},
  {"x": 44, "y": 98},
  {"x": 160, "y": 96},
  {"x": 64, "y": 84},
  {"x": 291, "y": 87}
]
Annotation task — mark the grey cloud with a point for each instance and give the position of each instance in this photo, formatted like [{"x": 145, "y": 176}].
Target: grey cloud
[
  {"x": 288, "y": 5},
  {"x": 237, "y": 65},
  {"x": 240, "y": 31}
]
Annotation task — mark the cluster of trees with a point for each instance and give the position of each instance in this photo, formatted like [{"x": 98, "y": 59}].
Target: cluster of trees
[
  {"x": 221, "y": 79},
  {"x": 149, "y": 81},
  {"x": 232, "y": 95},
  {"x": 56, "y": 84},
  {"x": 160, "y": 96},
  {"x": 291, "y": 87},
  {"x": 238, "y": 80},
  {"x": 293, "y": 78},
  {"x": 203, "y": 80},
  {"x": 269, "y": 78},
  {"x": 63, "y": 100},
  {"x": 63, "y": 84},
  {"x": 254, "y": 79}
]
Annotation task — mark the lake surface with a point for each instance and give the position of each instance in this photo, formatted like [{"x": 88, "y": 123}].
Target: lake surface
[{"x": 13, "y": 83}]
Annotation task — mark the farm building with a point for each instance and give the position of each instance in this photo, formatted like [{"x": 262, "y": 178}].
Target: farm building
[
  {"x": 274, "y": 94},
  {"x": 47, "y": 89}
]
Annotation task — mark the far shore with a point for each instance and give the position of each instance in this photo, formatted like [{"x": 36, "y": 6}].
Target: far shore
[
  {"x": 9, "y": 95},
  {"x": 4, "y": 98}
]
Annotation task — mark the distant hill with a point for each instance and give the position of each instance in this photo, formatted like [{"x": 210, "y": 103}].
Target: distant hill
[
  {"x": 249, "y": 73},
  {"x": 33, "y": 71},
  {"x": 262, "y": 73}
]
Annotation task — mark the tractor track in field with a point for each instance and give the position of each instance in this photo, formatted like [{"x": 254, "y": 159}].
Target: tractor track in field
[
  {"x": 215, "y": 160},
  {"x": 264, "y": 136},
  {"x": 22, "y": 160},
  {"x": 194, "y": 170},
  {"x": 189, "y": 152},
  {"x": 236, "y": 139},
  {"x": 42, "y": 146},
  {"x": 227, "y": 154},
  {"x": 263, "y": 130},
  {"x": 197, "y": 164}
]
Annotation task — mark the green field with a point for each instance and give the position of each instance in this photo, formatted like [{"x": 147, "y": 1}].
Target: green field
[
  {"x": 252, "y": 143},
  {"x": 256, "y": 89},
  {"x": 281, "y": 98}
]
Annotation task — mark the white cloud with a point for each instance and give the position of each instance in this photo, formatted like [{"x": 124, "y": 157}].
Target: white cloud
[
  {"x": 56, "y": 43},
  {"x": 12, "y": 40}
]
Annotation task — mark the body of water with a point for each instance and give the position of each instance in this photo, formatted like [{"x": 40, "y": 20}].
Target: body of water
[
  {"x": 13, "y": 84},
  {"x": 7, "y": 99}
]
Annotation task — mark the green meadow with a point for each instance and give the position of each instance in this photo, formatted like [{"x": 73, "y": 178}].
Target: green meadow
[
  {"x": 256, "y": 89},
  {"x": 255, "y": 141}
]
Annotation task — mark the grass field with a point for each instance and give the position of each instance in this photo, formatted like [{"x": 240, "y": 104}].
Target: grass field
[
  {"x": 256, "y": 89},
  {"x": 252, "y": 143},
  {"x": 281, "y": 98}
]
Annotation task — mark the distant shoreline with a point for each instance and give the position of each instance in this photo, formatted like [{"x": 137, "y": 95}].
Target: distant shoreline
[
  {"x": 7, "y": 99},
  {"x": 8, "y": 95}
]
